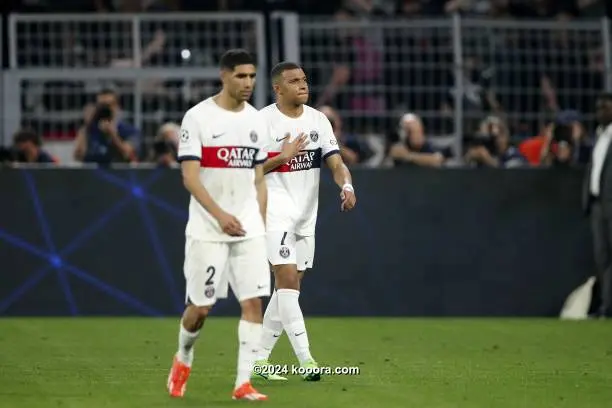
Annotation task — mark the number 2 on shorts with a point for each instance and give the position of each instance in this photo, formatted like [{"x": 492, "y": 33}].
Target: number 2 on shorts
[{"x": 211, "y": 271}]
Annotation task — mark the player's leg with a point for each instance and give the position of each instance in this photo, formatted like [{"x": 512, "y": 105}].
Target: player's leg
[
  {"x": 272, "y": 324},
  {"x": 249, "y": 278},
  {"x": 284, "y": 254},
  {"x": 272, "y": 329},
  {"x": 204, "y": 266},
  {"x": 305, "y": 247}
]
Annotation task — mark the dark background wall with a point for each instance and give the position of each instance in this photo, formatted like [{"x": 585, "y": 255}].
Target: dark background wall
[{"x": 420, "y": 243}]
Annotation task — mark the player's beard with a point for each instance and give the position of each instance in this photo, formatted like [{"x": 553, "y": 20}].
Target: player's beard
[{"x": 242, "y": 97}]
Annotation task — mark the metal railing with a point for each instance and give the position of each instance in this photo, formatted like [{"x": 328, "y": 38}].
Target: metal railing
[
  {"x": 160, "y": 64},
  {"x": 451, "y": 71}
]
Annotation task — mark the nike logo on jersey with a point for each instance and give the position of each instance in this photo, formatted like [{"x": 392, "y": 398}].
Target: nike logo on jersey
[
  {"x": 282, "y": 138},
  {"x": 299, "y": 334},
  {"x": 276, "y": 335},
  {"x": 261, "y": 286},
  {"x": 219, "y": 135}
]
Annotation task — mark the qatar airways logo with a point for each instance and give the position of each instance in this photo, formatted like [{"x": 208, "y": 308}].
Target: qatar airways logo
[
  {"x": 237, "y": 156},
  {"x": 303, "y": 162}
]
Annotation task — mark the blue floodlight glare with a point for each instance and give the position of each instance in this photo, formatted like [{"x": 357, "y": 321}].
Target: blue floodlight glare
[{"x": 55, "y": 261}]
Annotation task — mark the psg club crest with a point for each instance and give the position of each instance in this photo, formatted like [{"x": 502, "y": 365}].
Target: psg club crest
[
  {"x": 314, "y": 136},
  {"x": 284, "y": 252},
  {"x": 209, "y": 292},
  {"x": 253, "y": 136}
]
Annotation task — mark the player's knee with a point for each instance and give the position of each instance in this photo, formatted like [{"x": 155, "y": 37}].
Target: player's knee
[
  {"x": 251, "y": 310},
  {"x": 286, "y": 277},
  {"x": 202, "y": 312}
]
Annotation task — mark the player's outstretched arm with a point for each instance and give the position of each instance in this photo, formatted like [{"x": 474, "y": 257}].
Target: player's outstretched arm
[
  {"x": 342, "y": 177},
  {"x": 191, "y": 180},
  {"x": 262, "y": 190},
  {"x": 289, "y": 150}
]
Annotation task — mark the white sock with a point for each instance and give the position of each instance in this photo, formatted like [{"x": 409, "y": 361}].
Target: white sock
[
  {"x": 186, "y": 341},
  {"x": 293, "y": 323},
  {"x": 249, "y": 335},
  {"x": 272, "y": 328}
]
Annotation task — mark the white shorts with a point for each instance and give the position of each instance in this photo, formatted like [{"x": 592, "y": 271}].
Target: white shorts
[
  {"x": 211, "y": 266},
  {"x": 288, "y": 248}
]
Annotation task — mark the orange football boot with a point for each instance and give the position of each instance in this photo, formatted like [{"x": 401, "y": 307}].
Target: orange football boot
[
  {"x": 177, "y": 379},
  {"x": 247, "y": 392}
]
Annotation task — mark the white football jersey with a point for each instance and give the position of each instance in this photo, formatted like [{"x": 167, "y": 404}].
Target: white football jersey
[
  {"x": 228, "y": 145},
  {"x": 293, "y": 188}
]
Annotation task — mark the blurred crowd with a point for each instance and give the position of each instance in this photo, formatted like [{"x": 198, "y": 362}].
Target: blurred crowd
[
  {"x": 491, "y": 8},
  {"x": 105, "y": 138},
  {"x": 499, "y": 130}
]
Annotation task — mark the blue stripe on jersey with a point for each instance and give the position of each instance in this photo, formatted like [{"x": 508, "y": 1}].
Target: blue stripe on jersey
[
  {"x": 330, "y": 153},
  {"x": 188, "y": 158}
]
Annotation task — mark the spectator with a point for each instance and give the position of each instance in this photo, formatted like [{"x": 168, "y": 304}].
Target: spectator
[
  {"x": 566, "y": 143},
  {"x": 491, "y": 147},
  {"x": 357, "y": 80},
  {"x": 164, "y": 154},
  {"x": 165, "y": 147},
  {"x": 351, "y": 150},
  {"x": 468, "y": 7},
  {"x": 169, "y": 132},
  {"x": 366, "y": 8},
  {"x": 28, "y": 148},
  {"x": 413, "y": 147},
  {"x": 532, "y": 148},
  {"x": 105, "y": 138}
]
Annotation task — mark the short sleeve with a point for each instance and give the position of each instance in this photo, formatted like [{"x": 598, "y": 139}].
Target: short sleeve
[
  {"x": 190, "y": 141},
  {"x": 329, "y": 144},
  {"x": 264, "y": 146}
]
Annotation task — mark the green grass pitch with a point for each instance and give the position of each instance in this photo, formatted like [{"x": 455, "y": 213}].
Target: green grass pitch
[{"x": 424, "y": 363}]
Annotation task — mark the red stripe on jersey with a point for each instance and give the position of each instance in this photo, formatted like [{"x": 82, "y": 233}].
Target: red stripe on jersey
[
  {"x": 233, "y": 157},
  {"x": 311, "y": 159}
]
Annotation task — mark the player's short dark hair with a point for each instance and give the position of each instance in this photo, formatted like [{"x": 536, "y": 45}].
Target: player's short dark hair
[
  {"x": 281, "y": 67},
  {"x": 27, "y": 135},
  {"x": 238, "y": 56}
]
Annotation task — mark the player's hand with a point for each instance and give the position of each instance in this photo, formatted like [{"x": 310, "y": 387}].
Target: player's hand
[
  {"x": 437, "y": 160},
  {"x": 108, "y": 127},
  {"x": 347, "y": 195},
  {"x": 291, "y": 149},
  {"x": 230, "y": 225}
]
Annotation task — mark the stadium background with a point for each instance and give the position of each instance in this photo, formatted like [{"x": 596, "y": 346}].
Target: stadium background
[
  {"x": 105, "y": 243},
  {"x": 447, "y": 237}
]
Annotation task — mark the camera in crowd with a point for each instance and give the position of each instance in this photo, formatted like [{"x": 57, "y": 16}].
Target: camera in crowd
[
  {"x": 7, "y": 156},
  {"x": 489, "y": 130},
  {"x": 103, "y": 112},
  {"x": 163, "y": 147},
  {"x": 563, "y": 133},
  {"x": 164, "y": 153},
  {"x": 568, "y": 140},
  {"x": 10, "y": 155},
  {"x": 485, "y": 140}
]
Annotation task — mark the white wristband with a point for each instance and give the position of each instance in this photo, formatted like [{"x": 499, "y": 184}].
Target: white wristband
[{"x": 348, "y": 187}]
